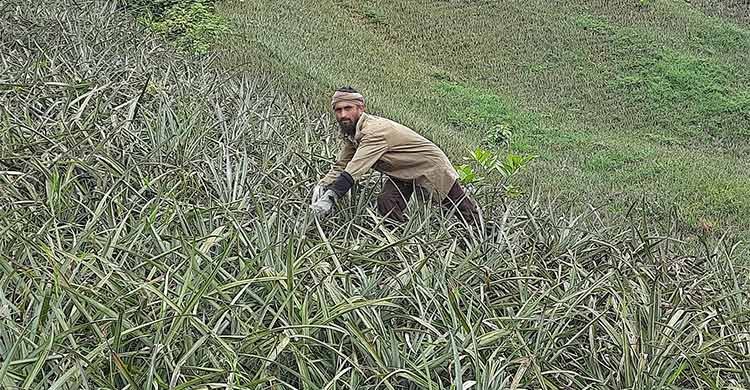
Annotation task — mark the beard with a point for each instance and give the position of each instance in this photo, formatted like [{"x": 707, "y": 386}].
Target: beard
[{"x": 348, "y": 127}]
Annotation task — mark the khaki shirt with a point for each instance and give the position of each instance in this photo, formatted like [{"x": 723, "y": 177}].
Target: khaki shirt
[{"x": 396, "y": 151}]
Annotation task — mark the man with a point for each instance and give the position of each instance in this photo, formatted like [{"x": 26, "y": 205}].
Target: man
[{"x": 405, "y": 157}]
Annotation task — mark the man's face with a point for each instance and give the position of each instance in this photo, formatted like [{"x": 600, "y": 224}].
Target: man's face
[{"x": 347, "y": 115}]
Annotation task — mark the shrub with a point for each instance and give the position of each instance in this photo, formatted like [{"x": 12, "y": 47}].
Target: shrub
[
  {"x": 489, "y": 171},
  {"x": 191, "y": 24}
]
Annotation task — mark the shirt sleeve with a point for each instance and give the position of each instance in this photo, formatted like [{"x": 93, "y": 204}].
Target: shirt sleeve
[
  {"x": 345, "y": 155},
  {"x": 372, "y": 146}
]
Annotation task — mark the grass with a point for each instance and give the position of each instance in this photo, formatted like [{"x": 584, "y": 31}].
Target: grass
[
  {"x": 476, "y": 111},
  {"x": 191, "y": 25},
  {"x": 732, "y": 10},
  {"x": 697, "y": 88},
  {"x": 155, "y": 234},
  {"x": 658, "y": 78}
]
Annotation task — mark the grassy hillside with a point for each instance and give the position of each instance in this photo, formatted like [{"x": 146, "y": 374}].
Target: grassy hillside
[
  {"x": 621, "y": 100},
  {"x": 155, "y": 233}
]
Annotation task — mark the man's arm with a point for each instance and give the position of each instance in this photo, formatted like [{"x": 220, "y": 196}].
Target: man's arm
[
  {"x": 345, "y": 155},
  {"x": 372, "y": 146}
]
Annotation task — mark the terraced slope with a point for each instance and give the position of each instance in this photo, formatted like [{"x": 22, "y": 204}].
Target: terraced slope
[{"x": 621, "y": 101}]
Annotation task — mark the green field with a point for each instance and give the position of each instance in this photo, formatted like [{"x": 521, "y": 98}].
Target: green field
[
  {"x": 625, "y": 101},
  {"x": 154, "y": 221}
]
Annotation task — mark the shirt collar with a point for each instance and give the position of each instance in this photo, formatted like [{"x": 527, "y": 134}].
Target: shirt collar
[
  {"x": 360, "y": 122},
  {"x": 357, "y": 128}
]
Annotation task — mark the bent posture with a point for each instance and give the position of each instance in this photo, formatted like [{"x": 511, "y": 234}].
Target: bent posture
[{"x": 408, "y": 159}]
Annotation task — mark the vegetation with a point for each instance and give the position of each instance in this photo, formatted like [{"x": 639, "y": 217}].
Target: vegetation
[
  {"x": 154, "y": 233},
  {"x": 191, "y": 24},
  {"x": 621, "y": 100}
]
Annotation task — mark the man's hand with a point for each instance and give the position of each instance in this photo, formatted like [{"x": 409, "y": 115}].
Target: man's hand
[
  {"x": 317, "y": 193},
  {"x": 322, "y": 207}
]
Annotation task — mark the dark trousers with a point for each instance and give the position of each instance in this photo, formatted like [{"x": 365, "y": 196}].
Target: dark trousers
[{"x": 396, "y": 193}]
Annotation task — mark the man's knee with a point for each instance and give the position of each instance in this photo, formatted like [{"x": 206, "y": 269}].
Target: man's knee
[
  {"x": 384, "y": 205},
  {"x": 393, "y": 198},
  {"x": 467, "y": 209},
  {"x": 391, "y": 208}
]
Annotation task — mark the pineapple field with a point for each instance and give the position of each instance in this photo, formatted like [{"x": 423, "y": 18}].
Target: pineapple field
[{"x": 155, "y": 232}]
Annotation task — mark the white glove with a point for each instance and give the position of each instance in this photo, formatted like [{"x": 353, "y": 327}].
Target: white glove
[
  {"x": 317, "y": 193},
  {"x": 322, "y": 207}
]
